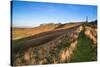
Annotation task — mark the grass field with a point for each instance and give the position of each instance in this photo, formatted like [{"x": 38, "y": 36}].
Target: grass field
[{"x": 85, "y": 50}]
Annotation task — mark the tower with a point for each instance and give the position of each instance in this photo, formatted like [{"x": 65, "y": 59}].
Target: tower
[{"x": 86, "y": 19}]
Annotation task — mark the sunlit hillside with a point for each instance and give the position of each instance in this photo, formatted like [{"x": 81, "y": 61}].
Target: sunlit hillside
[{"x": 55, "y": 43}]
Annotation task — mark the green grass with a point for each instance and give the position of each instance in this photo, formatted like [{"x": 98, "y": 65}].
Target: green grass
[{"x": 85, "y": 50}]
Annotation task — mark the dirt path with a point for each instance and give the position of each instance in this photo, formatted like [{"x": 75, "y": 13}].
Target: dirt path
[{"x": 42, "y": 39}]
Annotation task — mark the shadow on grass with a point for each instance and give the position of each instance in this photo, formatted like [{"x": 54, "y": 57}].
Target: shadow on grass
[{"x": 85, "y": 50}]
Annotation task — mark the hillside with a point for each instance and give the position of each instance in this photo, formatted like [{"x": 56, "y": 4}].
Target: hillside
[
  {"x": 19, "y": 33},
  {"x": 54, "y": 43}
]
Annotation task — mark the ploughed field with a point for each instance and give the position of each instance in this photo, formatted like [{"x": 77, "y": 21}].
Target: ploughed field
[{"x": 54, "y": 43}]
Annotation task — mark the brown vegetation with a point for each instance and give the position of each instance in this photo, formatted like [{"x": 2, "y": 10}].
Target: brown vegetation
[{"x": 49, "y": 44}]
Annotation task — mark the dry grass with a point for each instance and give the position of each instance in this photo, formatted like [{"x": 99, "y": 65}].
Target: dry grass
[{"x": 59, "y": 49}]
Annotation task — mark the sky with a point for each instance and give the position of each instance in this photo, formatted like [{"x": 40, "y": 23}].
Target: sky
[{"x": 32, "y": 14}]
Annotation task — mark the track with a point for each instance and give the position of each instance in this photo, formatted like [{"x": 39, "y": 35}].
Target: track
[{"x": 42, "y": 39}]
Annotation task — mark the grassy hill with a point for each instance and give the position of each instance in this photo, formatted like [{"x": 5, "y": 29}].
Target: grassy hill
[{"x": 54, "y": 43}]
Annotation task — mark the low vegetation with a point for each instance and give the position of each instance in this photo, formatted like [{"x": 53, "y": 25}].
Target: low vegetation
[
  {"x": 62, "y": 44},
  {"x": 86, "y": 51}
]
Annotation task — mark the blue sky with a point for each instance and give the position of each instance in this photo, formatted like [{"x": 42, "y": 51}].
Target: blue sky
[{"x": 31, "y": 14}]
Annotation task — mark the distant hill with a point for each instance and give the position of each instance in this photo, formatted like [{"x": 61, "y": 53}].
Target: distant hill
[
  {"x": 25, "y": 32},
  {"x": 94, "y": 22}
]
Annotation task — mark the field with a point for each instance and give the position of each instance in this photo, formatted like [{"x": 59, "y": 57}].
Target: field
[{"x": 55, "y": 43}]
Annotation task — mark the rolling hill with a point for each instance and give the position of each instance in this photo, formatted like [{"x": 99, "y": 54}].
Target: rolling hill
[{"x": 54, "y": 43}]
